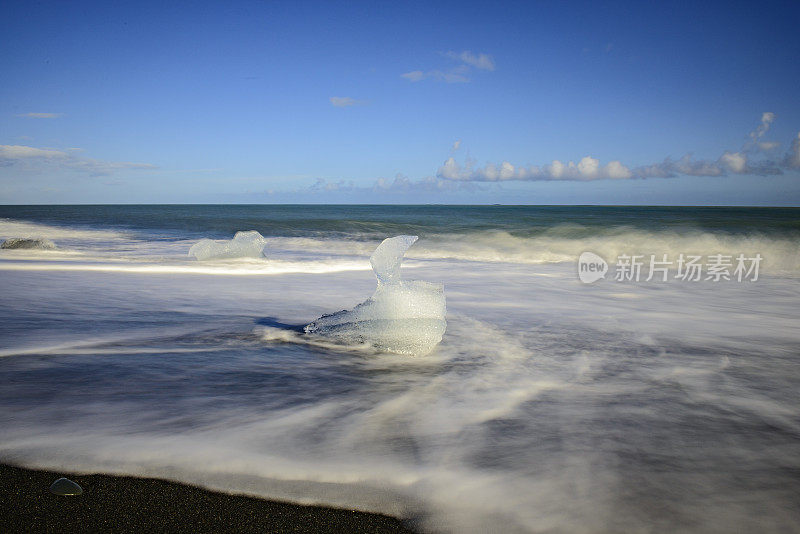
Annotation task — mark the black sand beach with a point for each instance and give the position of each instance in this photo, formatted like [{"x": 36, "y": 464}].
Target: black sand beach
[{"x": 127, "y": 504}]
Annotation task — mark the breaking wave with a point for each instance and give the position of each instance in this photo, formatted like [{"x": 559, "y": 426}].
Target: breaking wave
[
  {"x": 565, "y": 244},
  {"x": 553, "y": 244}
]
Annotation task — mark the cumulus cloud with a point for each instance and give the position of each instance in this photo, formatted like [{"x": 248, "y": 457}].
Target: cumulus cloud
[
  {"x": 32, "y": 158},
  {"x": 589, "y": 168},
  {"x": 735, "y": 162},
  {"x": 766, "y": 120},
  {"x": 670, "y": 168},
  {"x": 728, "y": 163},
  {"x": 459, "y": 73},
  {"x": 344, "y": 101},
  {"x": 41, "y": 115}
]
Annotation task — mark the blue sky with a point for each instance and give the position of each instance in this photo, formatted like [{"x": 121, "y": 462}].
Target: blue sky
[{"x": 430, "y": 102}]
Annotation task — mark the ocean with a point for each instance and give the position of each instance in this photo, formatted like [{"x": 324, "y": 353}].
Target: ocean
[{"x": 551, "y": 405}]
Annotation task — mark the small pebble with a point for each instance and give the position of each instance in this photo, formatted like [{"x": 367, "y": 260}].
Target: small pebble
[{"x": 64, "y": 486}]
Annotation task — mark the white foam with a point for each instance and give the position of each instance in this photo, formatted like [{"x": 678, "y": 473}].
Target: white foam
[
  {"x": 17, "y": 228},
  {"x": 560, "y": 244},
  {"x": 544, "y": 400},
  {"x": 517, "y": 422},
  {"x": 564, "y": 244},
  {"x": 221, "y": 268}
]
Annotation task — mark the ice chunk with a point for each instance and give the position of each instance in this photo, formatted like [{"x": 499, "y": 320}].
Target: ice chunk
[
  {"x": 243, "y": 245},
  {"x": 402, "y": 316},
  {"x": 28, "y": 243}
]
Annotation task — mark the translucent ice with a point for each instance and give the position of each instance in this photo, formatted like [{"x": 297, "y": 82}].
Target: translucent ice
[
  {"x": 388, "y": 256},
  {"x": 243, "y": 245},
  {"x": 402, "y": 316}
]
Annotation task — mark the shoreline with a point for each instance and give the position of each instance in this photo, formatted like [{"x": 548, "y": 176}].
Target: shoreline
[{"x": 127, "y": 504}]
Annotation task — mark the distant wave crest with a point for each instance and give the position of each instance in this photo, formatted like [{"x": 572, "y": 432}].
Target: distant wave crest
[{"x": 566, "y": 243}]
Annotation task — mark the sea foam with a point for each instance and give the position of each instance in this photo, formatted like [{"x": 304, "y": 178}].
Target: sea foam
[
  {"x": 402, "y": 316},
  {"x": 563, "y": 243}
]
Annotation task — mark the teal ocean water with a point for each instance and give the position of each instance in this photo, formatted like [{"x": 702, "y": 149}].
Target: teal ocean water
[
  {"x": 364, "y": 221},
  {"x": 549, "y": 406}
]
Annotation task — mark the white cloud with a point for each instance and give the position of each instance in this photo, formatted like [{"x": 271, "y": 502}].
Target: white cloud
[
  {"x": 403, "y": 184},
  {"x": 344, "y": 101},
  {"x": 456, "y": 145},
  {"x": 41, "y": 115},
  {"x": 454, "y": 75},
  {"x": 399, "y": 184},
  {"x": 457, "y": 74},
  {"x": 670, "y": 168},
  {"x": 757, "y": 145},
  {"x": 589, "y": 168},
  {"x": 479, "y": 61},
  {"x": 20, "y": 152},
  {"x": 413, "y": 76},
  {"x": 322, "y": 184},
  {"x": 31, "y": 158},
  {"x": 450, "y": 170},
  {"x": 766, "y": 120},
  {"x": 765, "y": 146},
  {"x": 792, "y": 159},
  {"x": 617, "y": 171},
  {"x": 735, "y": 162}
]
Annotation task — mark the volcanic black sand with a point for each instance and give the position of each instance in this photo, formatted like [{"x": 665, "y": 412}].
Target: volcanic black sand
[{"x": 127, "y": 504}]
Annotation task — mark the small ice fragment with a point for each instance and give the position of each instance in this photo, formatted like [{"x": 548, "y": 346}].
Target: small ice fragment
[
  {"x": 28, "y": 243},
  {"x": 248, "y": 244},
  {"x": 402, "y": 316},
  {"x": 64, "y": 486}
]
